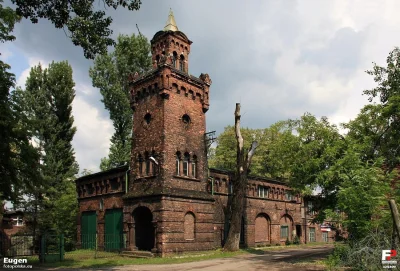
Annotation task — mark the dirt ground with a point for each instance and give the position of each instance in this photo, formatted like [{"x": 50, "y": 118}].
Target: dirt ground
[{"x": 294, "y": 259}]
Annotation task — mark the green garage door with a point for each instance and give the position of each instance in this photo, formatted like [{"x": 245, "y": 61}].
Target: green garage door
[
  {"x": 88, "y": 230},
  {"x": 113, "y": 234}
]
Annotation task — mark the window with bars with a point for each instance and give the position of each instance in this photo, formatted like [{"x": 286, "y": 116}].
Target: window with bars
[
  {"x": 263, "y": 192},
  {"x": 288, "y": 195},
  {"x": 311, "y": 208},
  {"x": 284, "y": 231},
  {"x": 194, "y": 167},
  {"x": 311, "y": 235},
  {"x": 186, "y": 165},
  {"x": 177, "y": 166}
]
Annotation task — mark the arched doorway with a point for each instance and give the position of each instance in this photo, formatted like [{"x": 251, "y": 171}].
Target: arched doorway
[
  {"x": 262, "y": 229},
  {"x": 144, "y": 229}
]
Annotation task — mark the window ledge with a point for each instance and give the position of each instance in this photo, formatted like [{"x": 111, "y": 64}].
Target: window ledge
[{"x": 186, "y": 178}]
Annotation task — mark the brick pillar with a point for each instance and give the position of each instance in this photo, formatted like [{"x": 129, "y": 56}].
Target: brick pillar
[
  {"x": 132, "y": 241},
  {"x": 155, "y": 250},
  {"x": 275, "y": 233}
]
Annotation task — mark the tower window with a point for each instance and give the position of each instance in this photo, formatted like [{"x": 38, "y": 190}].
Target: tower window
[
  {"x": 181, "y": 63},
  {"x": 186, "y": 165},
  {"x": 194, "y": 167},
  {"x": 177, "y": 164},
  {"x": 147, "y": 118},
  {"x": 147, "y": 164},
  {"x": 174, "y": 59},
  {"x": 140, "y": 160},
  {"x": 186, "y": 119}
]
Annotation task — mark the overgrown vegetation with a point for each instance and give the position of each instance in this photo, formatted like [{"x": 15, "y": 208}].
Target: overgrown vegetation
[{"x": 355, "y": 173}]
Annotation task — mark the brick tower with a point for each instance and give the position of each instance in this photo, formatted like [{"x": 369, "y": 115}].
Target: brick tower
[{"x": 167, "y": 207}]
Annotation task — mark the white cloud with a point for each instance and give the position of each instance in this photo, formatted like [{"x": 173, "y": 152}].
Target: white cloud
[
  {"x": 92, "y": 139},
  {"x": 279, "y": 58},
  {"x": 32, "y": 61}
]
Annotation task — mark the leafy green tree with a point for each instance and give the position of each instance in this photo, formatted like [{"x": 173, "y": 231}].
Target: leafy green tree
[
  {"x": 382, "y": 121},
  {"x": 18, "y": 158},
  {"x": 110, "y": 74},
  {"x": 224, "y": 156},
  {"x": 48, "y": 97},
  {"x": 88, "y": 28},
  {"x": 8, "y": 19}
]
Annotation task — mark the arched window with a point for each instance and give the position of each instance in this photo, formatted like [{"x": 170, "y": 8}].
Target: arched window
[
  {"x": 194, "y": 166},
  {"x": 189, "y": 226},
  {"x": 181, "y": 63},
  {"x": 154, "y": 169},
  {"x": 186, "y": 165},
  {"x": 178, "y": 164},
  {"x": 174, "y": 59},
  {"x": 140, "y": 161},
  {"x": 147, "y": 164}
]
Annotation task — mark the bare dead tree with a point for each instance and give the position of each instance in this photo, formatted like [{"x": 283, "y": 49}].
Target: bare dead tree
[{"x": 243, "y": 162}]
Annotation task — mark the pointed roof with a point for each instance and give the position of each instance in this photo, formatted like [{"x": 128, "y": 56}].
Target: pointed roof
[{"x": 171, "y": 24}]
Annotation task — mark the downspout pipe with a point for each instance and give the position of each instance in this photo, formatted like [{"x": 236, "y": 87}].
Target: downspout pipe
[{"x": 126, "y": 179}]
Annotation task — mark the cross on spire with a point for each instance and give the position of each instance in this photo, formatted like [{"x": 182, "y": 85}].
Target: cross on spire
[{"x": 171, "y": 24}]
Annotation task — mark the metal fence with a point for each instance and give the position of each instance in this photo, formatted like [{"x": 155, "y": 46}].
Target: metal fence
[{"x": 55, "y": 247}]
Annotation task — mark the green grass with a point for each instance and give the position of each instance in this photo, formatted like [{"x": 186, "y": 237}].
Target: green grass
[{"x": 85, "y": 259}]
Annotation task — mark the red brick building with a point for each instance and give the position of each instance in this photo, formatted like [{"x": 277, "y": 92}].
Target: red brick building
[{"x": 167, "y": 200}]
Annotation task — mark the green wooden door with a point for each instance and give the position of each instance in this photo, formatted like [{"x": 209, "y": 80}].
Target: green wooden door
[
  {"x": 88, "y": 230},
  {"x": 113, "y": 236}
]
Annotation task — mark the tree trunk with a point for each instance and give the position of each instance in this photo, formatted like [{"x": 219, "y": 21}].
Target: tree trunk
[{"x": 239, "y": 187}]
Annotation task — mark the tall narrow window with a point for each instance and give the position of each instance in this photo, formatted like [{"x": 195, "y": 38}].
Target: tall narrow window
[
  {"x": 284, "y": 231},
  {"x": 186, "y": 165},
  {"x": 174, "y": 58},
  {"x": 230, "y": 188},
  {"x": 311, "y": 236},
  {"x": 140, "y": 161},
  {"x": 189, "y": 226},
  {"x": 178, "y": 164},
  {"x": 181, "y": 63},
  {"x": 194, "y": 167},
  {"x": 154, "y": 168},
  {"x": 147, "y": 167}
]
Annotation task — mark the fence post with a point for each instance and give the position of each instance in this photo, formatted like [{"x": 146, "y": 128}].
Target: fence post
[
  {"x": 42, "y": 247},
  {"x": 95, "y": 248},
  {"x": 61, "y": 247}
]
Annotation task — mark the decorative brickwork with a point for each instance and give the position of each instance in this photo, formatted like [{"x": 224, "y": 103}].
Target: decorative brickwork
[{"x": 171, "y": 201}]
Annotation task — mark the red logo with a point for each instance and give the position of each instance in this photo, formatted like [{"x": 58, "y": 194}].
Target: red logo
[{"x": 388, "y": 254}]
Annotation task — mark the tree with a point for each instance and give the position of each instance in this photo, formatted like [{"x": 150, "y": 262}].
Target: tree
[
  {"x": 18, "y": 158},
  {"x": 387, "y": 113},
  {"x": 88, "y": 28},
  {"x": 110, "y": 74},
  {"x": 243, "y": 162},
  {"x": 48, "y": 97},
  {"x": 8, "y": 19}
]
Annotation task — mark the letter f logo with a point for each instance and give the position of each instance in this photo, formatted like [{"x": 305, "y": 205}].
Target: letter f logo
[{"x": 388, "y": 254}]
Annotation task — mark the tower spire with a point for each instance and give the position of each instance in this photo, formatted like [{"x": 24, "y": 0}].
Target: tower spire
[{"x": 171, "y": 24}]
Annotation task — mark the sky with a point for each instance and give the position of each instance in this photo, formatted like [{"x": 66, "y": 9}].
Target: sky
[{"x": 279, "y": 59}]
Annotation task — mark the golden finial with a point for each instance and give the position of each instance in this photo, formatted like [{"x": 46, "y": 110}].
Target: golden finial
[{"x": 171, "y": 24}]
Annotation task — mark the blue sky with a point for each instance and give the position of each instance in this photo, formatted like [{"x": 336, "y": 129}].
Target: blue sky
[{"x": 280, "y": 59}]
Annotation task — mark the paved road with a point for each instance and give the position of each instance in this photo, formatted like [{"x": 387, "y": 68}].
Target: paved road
[{"x": 274, "y": 260}]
